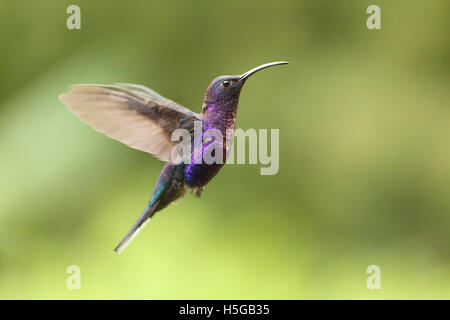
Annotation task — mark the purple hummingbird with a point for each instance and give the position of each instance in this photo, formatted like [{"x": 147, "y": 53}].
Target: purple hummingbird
[{"x": 142, "y": 119}]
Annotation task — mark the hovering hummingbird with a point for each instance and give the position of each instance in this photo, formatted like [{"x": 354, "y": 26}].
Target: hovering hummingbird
[{"x": 144, "y": 120}]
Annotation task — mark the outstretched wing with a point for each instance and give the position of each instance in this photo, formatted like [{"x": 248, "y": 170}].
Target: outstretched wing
[{"x": 133, "y": 114}]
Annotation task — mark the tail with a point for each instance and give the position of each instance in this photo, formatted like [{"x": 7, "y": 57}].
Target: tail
[
  {"x": 169, "y": 187},
  {"x": 140, "y": 223}
]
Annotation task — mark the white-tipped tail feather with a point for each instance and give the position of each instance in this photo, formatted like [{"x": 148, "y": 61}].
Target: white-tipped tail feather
[{"x": 140, "y": 223}]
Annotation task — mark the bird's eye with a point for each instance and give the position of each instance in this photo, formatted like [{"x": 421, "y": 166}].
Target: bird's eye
[{"x": 226, "y": 83}]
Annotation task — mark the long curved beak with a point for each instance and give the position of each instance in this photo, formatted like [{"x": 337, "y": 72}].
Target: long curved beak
[{"x": 247, "y": 74}]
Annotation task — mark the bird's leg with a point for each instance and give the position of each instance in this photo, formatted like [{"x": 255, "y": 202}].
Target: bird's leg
[{"x": 197, "y": 191}]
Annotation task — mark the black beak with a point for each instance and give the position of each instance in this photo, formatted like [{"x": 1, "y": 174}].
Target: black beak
[{"x": 247, "y": 74}]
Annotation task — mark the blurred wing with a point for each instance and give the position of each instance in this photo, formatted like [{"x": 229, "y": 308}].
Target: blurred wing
[
  {"x": 135, "y": 115},
  {"x": 149, "y": 93}
]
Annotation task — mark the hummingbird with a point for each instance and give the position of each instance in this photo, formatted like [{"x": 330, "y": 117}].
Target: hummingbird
[{"x": 144, "y": 120}]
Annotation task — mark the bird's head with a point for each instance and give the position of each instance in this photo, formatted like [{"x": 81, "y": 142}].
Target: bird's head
[{"x": 225, "y": 90}]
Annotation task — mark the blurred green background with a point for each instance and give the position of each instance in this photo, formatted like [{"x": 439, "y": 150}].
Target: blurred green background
[{"x": 364, "y": 177}]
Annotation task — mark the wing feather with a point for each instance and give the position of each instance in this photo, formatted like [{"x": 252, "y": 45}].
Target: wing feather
[{"x": 132, "y": 114}]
